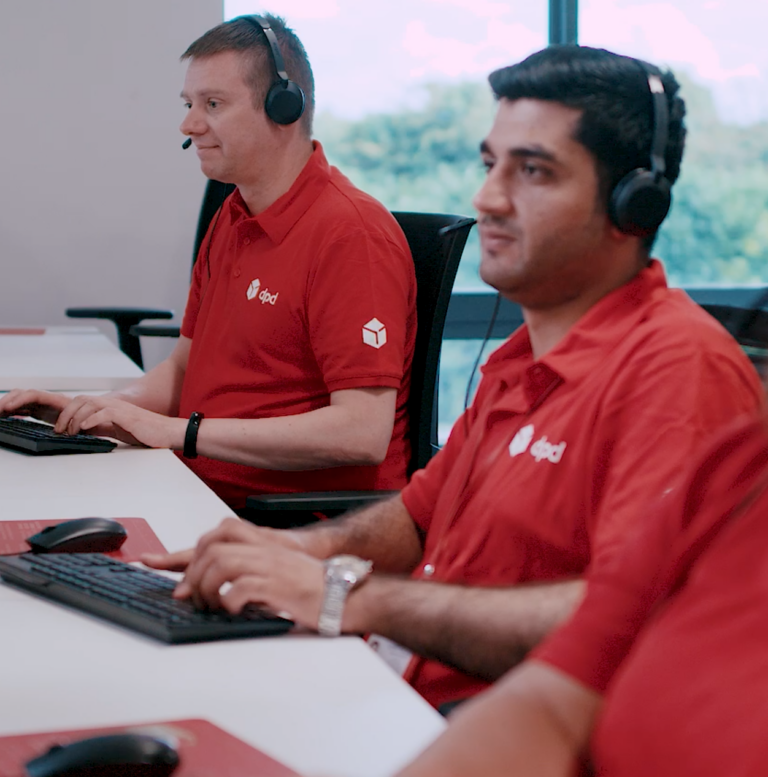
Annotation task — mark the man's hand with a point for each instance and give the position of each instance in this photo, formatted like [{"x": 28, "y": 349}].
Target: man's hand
[
  {"x": 264, "y": 566},
  {"x": 112, "y": 417},
  {"x": 38, "y": 404},
  {"x": 273, "y": 576}
]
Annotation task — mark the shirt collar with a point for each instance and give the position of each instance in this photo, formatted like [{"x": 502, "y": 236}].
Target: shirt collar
[
  {"x": 281, "y": 216},
  {"x": 585, "y": 345}
]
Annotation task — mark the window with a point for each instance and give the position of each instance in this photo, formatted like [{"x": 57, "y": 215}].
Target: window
[
  {"x": 403, "y": 103},
  {"x": 717, "y": 231}
]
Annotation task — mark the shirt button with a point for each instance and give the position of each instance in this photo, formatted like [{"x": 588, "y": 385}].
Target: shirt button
[
  {"x": 236, "y": 273},
  {"x": 429, "y": 570},
  {"x": 247, "y": 241}
]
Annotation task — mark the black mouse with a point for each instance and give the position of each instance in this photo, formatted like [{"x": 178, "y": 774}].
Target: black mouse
[
  {"x": 82, "y": 535},
  {"x": 117, "y": 755}
]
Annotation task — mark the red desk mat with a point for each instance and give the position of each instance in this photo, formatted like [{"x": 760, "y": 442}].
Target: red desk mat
[
  {"x": 205, "y": 750},
  {"x": 141, "y": 538}
]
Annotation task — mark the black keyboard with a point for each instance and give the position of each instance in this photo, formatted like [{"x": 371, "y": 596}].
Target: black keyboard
[
  {"x": 132, "y": 597},
  {"x": 40, "y": 439}
]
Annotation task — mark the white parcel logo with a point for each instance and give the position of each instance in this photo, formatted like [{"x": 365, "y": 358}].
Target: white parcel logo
[
  {"x": 374, "y": 333},
  {"x": 521, "y": 440},
  {"x": 253, "y": 289}
]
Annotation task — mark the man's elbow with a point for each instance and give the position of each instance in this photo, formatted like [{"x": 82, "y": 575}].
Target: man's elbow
[{"x": 367, "y": 452}]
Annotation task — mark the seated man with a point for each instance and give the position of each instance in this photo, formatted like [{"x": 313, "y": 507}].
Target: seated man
[
  {"x": 296, "y": 264},
  {"x": 595, "y": 405},
  {"x": 662, "y": 671}
]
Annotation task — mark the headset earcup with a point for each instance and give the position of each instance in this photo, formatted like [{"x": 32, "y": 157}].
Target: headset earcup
[
  {"x": 285, "y": 102},
  {"x": 640, "y": 202}
]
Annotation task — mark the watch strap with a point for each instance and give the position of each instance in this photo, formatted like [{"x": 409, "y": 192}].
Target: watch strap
[
  {"x": 342, "y": 574},
  {"x": 190, "y": 437}
]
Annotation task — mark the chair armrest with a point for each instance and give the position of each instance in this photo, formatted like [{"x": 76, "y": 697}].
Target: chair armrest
[
  {"x": 123, "y": 319},
  {"x": 147, "y": 330},
  {"x": 288, "y": 511},
  {"x": 317, "y": 501}
]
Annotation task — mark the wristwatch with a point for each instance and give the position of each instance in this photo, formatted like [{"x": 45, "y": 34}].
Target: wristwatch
[{"x": 342, "y": 574}]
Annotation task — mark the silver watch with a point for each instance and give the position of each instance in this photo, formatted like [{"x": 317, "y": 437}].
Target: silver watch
[{"x": 342, "y": 574}]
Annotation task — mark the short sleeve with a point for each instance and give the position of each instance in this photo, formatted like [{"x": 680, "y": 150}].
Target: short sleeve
[
  {"x": 658, "y": 417},
  {"x": 361, "y": 310},
  {"x": 425, "y": 487},
  {"x": 656, "y": 556}
]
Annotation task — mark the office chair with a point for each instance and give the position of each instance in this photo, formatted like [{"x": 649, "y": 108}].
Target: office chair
[{"x": 436, "y": 241}]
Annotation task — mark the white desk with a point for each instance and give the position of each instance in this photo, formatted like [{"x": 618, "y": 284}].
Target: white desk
[
  {"x": 64, "y": 359},
  {"x": 324, "y": 707}
]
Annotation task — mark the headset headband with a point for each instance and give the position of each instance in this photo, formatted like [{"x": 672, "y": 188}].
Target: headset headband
[
  {"x": 660, "y": 124},
  {"x": 277, "y": 56},
  {"x": 640, "y": 200},
  {"x": 285, "y": 99}
]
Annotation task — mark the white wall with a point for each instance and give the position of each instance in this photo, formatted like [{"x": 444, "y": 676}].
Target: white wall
[{"x": 98, "y": 203}]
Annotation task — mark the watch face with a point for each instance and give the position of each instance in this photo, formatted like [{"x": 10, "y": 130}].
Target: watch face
[{"x": 348, "y": 568}]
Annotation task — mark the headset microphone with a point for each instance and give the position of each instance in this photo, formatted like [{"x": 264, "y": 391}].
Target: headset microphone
[{"x": 186, "y": 144}]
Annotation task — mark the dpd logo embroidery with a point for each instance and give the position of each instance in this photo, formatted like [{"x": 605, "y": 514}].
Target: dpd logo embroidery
[
  {"x": 263, "y": 296},
  {"x": 544, "y": 449},
  {"x": 521, "y": 440}
]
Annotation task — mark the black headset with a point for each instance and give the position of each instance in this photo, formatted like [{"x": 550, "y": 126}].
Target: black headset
[
  {"x": 641, "y": 199},
  {"x": 285, "y": 98}
]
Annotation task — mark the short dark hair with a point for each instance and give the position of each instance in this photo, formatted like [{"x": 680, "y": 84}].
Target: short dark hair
[
  {"x": 613, "y": 95},
  {"x": 241, "y": 35}
]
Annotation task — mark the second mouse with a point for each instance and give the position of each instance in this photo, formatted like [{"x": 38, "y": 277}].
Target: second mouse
[{"x": 81, "y": 535}]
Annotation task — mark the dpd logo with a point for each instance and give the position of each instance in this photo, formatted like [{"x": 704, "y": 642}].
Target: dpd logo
[
  {"x": 543, "y": 449},
  {"x": 263, "y": 296}
]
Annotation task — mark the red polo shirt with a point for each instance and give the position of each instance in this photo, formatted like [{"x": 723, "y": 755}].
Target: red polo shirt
[
  {"x": 692, "y": 696},
  {"x": 314, "y": 295},
  {"x": 544, "y": 474}
]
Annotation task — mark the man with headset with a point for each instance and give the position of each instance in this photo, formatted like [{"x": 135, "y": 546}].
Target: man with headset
[
  {"x": 292, "y": 369},
  {"x": 590, "y": 409}
]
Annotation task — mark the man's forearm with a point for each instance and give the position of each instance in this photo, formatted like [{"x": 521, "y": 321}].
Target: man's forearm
[
  {"x": 384, "y": 533},
  {"x": 355, "y": 429},
  {"x": 480, "y": 631},
  {"x": 534, "y": 723}
]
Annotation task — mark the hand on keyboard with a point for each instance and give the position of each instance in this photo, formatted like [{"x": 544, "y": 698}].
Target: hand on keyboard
[
  {"x": 37, "y": 404},
  {"x": 261, "y": 566},
  {"x": 132, "y": 597},
  {"x": 113, "y": 417}
]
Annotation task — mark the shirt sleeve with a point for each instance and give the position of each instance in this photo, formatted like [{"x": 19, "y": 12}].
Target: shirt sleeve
[
  {"x": 654, "y": 561},
  {"x": 658, "y": 416},
  {"x": 422, "y": 492},
  {"x": 361, "y": 310}
]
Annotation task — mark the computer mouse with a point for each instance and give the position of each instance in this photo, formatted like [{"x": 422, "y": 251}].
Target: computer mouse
[
  {"x": 82, "y": 535},
  {"x": 113, "y": 755}
]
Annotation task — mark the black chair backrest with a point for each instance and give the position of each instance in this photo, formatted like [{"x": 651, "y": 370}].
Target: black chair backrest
[
  {"x": 215, "y": 194},
  {"x": 436, "y": 258},
  {"x": 748, "y": 325},
  {"x": 436, "y": 254}
]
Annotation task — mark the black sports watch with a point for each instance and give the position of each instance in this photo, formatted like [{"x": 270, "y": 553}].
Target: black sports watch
[{"x": 190, "y": 438}]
